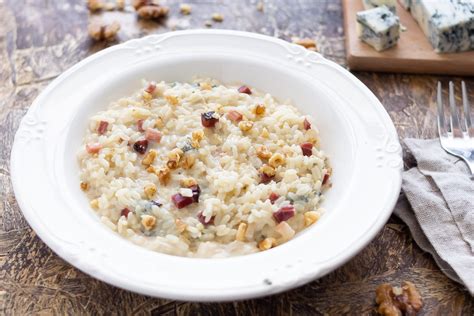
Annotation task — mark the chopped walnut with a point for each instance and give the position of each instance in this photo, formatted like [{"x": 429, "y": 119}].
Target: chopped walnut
[
  {"x": 205, "y": 86},
  {"x": 174, "y": 158},
  {"x": 217, "y": 17},
  {"x": 310, "y": 218},
  {"x": 267, "y": 243},
  {"x": 100, "y": 32},
  {"x": 95, "y": 5},
  {"x": 241, "y": 230},
  {"x": 397, "y": 301},
  {"x": 276, "y": 160},
  {"x": 147, "y": 96},
  {"x": 151, "y": 169},
  {"x": 120, "y": 4},
  {"x": 197, "y": 135},
  {"x": 185, "y": 9},
  {"x": 84, "y": 186},
  {"x": 180, "y": 225},
  {"x": 164, "y": 175},
  {"x": 149, "y": 157},
  {"x": 188, "y": 161},
  {"x": 188, "y": 182},
  {"x": 245, "y": 125},
  {"x": 306, "y": 43},
  {"x": 148, "y": 221},
  {"x": 150, "y": 9},
  {"x": 94, "y": 204},
  {"x": 149, "y": 190},
  {"x": 267, "y": 170},
  {"x": 263, "y": 152},
  {"x": 171, "y": 99},
  {"x": 259, "y": 109}
]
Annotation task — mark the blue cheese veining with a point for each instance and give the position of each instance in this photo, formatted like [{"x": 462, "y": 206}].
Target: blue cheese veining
[
  {"x": 448, "y": 24},
  {"x": 378, "y": 27},
  {"x": 370, "y": 4}
]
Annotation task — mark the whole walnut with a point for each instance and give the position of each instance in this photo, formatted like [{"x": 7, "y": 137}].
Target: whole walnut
[
  {"x": 101, "y": 31},
  {"x": 396, "y": 301},
  {"x": 150, "y": 9}
]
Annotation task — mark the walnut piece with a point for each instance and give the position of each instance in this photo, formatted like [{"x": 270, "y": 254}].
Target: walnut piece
[
  {"x": 267, "y": 243},
  {"x": 259, "y": 109},
  {"x": 188, "y": 182},
  {"x": 148, "y": 221},
  {"x": 245, "y": 125},
  {"x": 174, "y": 158},
  {"x": 263, "y": 152},
  {"x": 306, "y": 43},
  {"x": 310, "y": 218},
  {"x": 150, "y": 9},
  {"x": 398, "y": 301},
  {"x": 217, "y": 17},
  {"x": 185, "y": 9},
  {"x": 149, "y": 190},
  {"x": 120, "y": 4},
  {"x": 276, "y": 160},
  {"x": 267, "y": 170},
  {"x": 84, "y": 186},
  {"x": 164, "y": 175},
  {"x": 187, "y": 162},
  {"x": 95, "y": 5},
  {"x": 100, "y": 31},
  {"x": 149, "y": 157}
]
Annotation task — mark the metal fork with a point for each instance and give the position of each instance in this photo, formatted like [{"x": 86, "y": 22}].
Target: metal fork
[{"x": 456, "y": 138}]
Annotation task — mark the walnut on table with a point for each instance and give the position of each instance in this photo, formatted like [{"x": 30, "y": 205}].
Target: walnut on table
[
  {"x": 101, "y": 31},
  {"x": 95, "y": 5},
  {"x": 150, "y": 9},
  {"x": 307, "y": 43},
  {"x": 185, "y": 9},
  {"x": 396, "y": 301}
]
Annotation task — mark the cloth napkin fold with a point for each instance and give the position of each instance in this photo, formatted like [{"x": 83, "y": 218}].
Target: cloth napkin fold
[{"x": 440, "y": 191}]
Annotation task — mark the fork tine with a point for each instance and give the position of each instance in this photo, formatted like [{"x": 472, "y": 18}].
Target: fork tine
[
  {"x": 441, "y": 121},
  {"x": 454, "y": 119},
  {"x": 467, "y": 108}
]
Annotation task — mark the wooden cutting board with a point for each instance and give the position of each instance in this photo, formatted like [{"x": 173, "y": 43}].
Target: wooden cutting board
[{"x": 412, "y": 54}]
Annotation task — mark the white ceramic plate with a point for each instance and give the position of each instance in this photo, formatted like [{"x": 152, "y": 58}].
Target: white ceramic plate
[{"x": 356, "y": 132}]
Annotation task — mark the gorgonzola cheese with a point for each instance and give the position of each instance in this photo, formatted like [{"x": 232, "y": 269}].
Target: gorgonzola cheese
[
  {"x": 448, "y": 24},
  {"x": 378, "y": 27}
]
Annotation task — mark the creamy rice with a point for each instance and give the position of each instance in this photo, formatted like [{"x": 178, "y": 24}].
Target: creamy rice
[{"x": 203, "y": 170}]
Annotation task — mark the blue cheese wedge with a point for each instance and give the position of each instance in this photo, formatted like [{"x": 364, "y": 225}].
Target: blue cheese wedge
[
  {"x": 378, "y": 27},
  {"x": 448, "y": 24},
  {"x": 370, "y": 4}
]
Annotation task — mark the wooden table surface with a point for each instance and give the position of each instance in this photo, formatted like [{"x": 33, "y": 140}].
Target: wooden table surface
[{"x": 39, "y": 39}]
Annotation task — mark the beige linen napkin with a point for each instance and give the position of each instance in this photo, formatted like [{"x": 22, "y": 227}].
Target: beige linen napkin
[{"x": 440, "y": 191}]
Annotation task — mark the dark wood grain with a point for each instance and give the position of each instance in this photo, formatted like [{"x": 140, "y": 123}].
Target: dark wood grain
[{"x": 39, "y": 39}]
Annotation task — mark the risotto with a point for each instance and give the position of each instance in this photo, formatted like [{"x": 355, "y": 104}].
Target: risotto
[{"x": 203, "y": 170}]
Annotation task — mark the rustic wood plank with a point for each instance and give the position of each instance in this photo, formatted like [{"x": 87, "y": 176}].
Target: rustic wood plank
[{"x": 41, "y": 38}]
